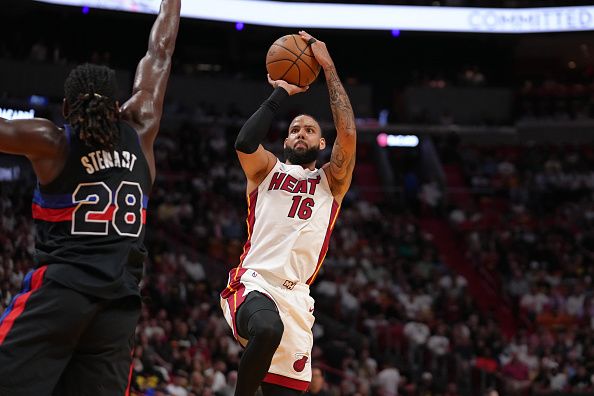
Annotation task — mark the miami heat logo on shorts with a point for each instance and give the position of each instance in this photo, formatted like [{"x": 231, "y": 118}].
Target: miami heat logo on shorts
[{"x": 300, "y": 362}]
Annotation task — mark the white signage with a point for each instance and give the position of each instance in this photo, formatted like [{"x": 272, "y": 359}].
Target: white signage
[
  {"x": 11, "y": 114},
  {"x": 367, "y": 16},
  {"x": 385, "y": 140}
]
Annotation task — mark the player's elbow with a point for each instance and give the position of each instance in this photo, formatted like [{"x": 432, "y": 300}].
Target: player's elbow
[
  {"x": 351, "y": 132},
  {"x": 162, "y": 47},
  {"x": 245, "y": 146},
  {"x": 164, "y": 53},
  {"x": 348, "y": 136}
]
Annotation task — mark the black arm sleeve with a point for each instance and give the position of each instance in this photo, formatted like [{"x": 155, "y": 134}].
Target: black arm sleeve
[{"x": 256, "y": 128}]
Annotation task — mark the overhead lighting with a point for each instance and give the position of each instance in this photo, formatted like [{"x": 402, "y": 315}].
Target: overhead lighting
[{"x": 368, "y": 16}]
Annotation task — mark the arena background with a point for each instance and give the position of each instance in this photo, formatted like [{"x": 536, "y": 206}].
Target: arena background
[{"x": 461, "y": 263}]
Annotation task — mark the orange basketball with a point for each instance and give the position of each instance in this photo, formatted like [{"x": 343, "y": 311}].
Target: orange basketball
[{"x": 290, "y": 58}]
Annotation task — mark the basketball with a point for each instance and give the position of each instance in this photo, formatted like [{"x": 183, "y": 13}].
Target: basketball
[{"x": 291, "y": 59}]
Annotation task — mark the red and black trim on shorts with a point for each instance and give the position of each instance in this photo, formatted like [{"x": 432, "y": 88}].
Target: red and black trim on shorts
[
  {"x": 32, "y": 282},
  {"x": 286, "y": 382}
]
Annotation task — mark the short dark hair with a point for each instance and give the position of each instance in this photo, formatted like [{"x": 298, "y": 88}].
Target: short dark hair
[{"x": 90, "y": 91}]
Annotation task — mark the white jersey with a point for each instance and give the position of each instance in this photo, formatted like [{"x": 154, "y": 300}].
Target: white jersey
[{"x": 290, "y": 218}]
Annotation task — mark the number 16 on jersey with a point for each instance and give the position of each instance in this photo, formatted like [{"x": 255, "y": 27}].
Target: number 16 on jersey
[{"x": 302, "y": 207}]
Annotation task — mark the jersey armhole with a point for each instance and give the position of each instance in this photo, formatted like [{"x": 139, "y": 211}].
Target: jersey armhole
[
  {"x": 276, "y": 165},
  {"x": 49, "y": 186},
  {"x": 326, "y": 181}
]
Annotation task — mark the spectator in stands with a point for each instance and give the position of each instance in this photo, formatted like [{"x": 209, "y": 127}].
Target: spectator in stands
[
  {"x": 516, "y": 375},
  {"x": 317, "y": 387},
  {"x": 388, "y": 379}
]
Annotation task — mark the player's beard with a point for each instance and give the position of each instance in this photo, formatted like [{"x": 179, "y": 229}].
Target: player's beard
[{"x": 302, "y": 157}]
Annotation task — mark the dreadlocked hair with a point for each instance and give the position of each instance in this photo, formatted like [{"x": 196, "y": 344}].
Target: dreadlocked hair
[{"x": 90, "y": 91}]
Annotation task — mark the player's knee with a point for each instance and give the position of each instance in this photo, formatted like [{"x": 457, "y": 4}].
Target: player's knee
[
  {"x": 269, "y": 327},
  {"x": 273, "y": 330}
]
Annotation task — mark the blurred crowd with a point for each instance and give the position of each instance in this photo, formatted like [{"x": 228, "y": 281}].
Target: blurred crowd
[
  {"x": 529, "y": 227},
  {"x": 392, "y": 318},
  {"x": 556, "y": 100}
]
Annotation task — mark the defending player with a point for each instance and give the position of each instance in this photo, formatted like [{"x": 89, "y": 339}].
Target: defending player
[{"x": 70, "y": 331}]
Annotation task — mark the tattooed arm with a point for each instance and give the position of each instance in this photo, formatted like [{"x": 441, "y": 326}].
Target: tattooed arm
[{"x": 342, "y": 162}]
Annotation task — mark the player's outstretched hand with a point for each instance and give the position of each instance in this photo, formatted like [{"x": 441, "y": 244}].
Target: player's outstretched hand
[
  {"x": 319, "y": 49},
  {"x": 290, "y": 88}
]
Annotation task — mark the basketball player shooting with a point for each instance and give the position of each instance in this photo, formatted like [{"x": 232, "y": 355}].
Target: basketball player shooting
[
  {"x": 292, "y": 208},
  {"x": 71, "y": 329}
]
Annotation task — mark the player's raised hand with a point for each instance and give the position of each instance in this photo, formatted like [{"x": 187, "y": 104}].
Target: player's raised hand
[
  {"x": 319, "y": 49},
  {"x": 290, "y": 88}
]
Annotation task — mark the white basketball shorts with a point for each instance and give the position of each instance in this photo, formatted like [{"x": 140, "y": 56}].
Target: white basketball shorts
[{"x": 291, "y": 363}]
